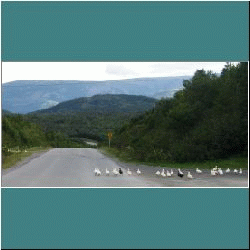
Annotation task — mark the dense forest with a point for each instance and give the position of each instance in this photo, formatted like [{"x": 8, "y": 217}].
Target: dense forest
[
  {"x": 17, "y": 132},
  {"x": 207, "y": 119},
  {"x": 91, "y": 117}
]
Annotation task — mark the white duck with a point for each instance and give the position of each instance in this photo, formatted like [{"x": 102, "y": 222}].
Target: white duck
[
  {"x": 115, "y": 172},
  {"x": 228, "y": 170},
  {"x": 138, "y": 171},
  {"x": 236, "y": 171},
  {"x": 198, "y": 171},
  {"x": 171, "y": 172},
  {"x": 189, "y": 176},
  {"x": 220, "y": 171},
  {"x": 216, "y": 168},
  {"x": 98, "y": 172},
  {"x": 213, "y": 172},
  {"x": 107, "y": 171},
  {"x": 168, "y": 174},
  {"x": 240, "y": 172},
  {"x": 129, "y": 172},
  {"x": 163, "y": 173},
  {"x": 158, "y": 172}
]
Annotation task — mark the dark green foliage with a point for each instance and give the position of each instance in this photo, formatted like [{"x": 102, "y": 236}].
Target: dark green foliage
[
  {"x": 208, "y": 119},
  {"x": 91, "y": 117},
  {"x": 102, "y": 104},
  {"x": 91, "y": 125},
  {"x": 59, "y": 140},
  {"x": 17, "y": 132}
]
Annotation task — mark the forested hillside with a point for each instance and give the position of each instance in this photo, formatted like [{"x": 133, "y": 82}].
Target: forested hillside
[
  {"x": 16, "y": 132},
  {"x": 91, "y": 117},
  {"x": 208, "y": 119},
  {"x": 102, "y": 104}
]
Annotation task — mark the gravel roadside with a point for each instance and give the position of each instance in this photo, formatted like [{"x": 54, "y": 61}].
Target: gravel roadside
[{"x": 24, "y": 161}]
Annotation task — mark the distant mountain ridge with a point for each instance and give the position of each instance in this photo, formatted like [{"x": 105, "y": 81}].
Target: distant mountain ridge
[{"x": 28, "y": 96}]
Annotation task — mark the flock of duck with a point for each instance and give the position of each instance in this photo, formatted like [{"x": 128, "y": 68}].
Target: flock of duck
[
  {"x": 115, "y": 172},
  {"x": 214, "y": 171},
  {"x": 218, "y": 171}
]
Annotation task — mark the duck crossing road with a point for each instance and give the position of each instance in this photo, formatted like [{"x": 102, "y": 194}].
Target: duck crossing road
[{"x": 74, "y": 167}]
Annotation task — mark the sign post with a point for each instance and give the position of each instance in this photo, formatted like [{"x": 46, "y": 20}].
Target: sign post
[{"x": 110, "y": 136}]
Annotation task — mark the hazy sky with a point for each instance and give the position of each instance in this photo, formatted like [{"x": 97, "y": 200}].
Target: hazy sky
[{"x": 98, "y": 71}]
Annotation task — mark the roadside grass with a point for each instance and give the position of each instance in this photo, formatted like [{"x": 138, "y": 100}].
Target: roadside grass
[
  {"x": 232, "y": 162},
  {"x": 13, "y": 158}
]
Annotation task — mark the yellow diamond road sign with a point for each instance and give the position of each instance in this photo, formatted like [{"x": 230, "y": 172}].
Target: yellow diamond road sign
[{"x": 109, "y": 135}]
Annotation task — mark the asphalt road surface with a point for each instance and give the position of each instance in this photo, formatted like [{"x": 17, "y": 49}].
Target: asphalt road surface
[{"x": 73, "y": 167}]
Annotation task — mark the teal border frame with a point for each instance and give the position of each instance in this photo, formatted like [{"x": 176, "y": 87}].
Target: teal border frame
[
  {"x": 125, "y": 31},
  {"x": 137, "y": 218},
  {"x": 125, "y": 218}
]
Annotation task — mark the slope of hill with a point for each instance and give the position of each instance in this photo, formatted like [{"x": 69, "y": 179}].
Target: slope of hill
[
  {"x": 103, "y": 104},
  {"x": 207, "y": 120},
  {"x": 91, "y": 117},
  {"x": 18, "y": 132},
  {"x": 28, "y": 96}
]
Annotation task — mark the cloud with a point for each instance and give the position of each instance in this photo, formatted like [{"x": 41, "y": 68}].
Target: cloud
[
  {"x": 100, "y": 71},
  {"x": 167, "y": 68},
  {"x": 183, "y": 68},
  {"x": 119, "y": 70}
]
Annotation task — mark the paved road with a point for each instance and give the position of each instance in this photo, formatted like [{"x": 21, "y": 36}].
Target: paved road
[{"x": 75, "y": 168}]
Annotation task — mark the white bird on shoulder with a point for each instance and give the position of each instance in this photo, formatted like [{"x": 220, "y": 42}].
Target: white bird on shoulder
[
  {"x": 115, "y": 172},
  {"x": 98, "y": 172},
  {"x": 216, "y": 168},
  {"x": 158, "y": 172},
  {"x": 198, "y": 171},
  {"x": 129, "y": 172},
  {"x": 138, "y": 171},
  {"x": 189, "y": 176},
  {"x": 236, "y": 171},
  {"x": 107, "y": 171},
  {"x": 228, "y": 170},
  {"x": 168, "y": 174},
  {"x": 213, "y": 172},
  {"x": 220, "y": 171},
  {"x": 163, "y": 173}
]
